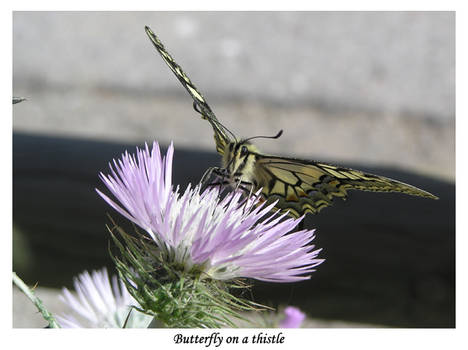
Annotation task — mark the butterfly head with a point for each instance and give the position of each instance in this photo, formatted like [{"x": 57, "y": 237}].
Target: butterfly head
[{"x": 239, "y": 159}]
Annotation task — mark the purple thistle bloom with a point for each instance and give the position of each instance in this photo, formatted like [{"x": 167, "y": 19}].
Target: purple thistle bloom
[
  {"x": 225, "y": 238},
  {"x": 293, "y": 318}
]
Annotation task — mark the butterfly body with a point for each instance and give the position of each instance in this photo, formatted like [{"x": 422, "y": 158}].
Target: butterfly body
[{"x": 298, "y": 186}]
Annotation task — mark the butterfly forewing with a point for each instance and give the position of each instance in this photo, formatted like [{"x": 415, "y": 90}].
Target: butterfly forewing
[{"x": 222, "y": 139}]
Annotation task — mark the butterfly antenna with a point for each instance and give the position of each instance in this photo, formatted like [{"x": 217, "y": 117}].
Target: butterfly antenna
[{"x": 278, "y": 135}]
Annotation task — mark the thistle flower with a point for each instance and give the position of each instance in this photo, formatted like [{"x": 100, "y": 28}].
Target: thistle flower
[
  {"x": 100, "y": 303},
  {"x": 221, "y": 238},
  {"x": 293, "y": 318}
]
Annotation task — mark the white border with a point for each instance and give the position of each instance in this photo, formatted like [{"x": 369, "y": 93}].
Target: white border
[{"x": 305, "y": 338}]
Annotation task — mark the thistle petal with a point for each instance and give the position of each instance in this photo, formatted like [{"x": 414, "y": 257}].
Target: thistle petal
[{"x": 231, "y": 237}]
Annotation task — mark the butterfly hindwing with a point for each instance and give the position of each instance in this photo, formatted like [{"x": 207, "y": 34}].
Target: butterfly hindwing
[
  {"x": 220, "y": 132},
  {"x": 302, "y": 186}
]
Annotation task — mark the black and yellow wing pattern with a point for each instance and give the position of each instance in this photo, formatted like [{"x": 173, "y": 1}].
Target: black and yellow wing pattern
[
  {"x": 299, "y": 186},
  {"x": 220, "y": 132},
  {"x": 302, "y": 186}
]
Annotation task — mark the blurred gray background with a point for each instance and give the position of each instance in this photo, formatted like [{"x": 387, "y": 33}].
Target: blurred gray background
[
  {"x": 371, "y": 87},
  {"x": 375, "y": 88}
]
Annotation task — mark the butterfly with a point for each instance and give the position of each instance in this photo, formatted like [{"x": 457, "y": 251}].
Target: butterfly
[{"x": 299, "y": 186}]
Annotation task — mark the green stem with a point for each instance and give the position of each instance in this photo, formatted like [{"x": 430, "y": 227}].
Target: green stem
[{"x": 36, "y": 301}]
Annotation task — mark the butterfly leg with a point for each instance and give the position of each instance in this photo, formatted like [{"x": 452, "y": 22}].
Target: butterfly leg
[
  {"x": 248, "y": 188},
  {"x": 206, "y": 176},
  {"x": 220, "y": 179},
  {"x": 219, "y": 173}
]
